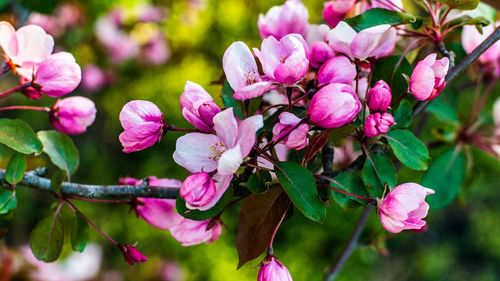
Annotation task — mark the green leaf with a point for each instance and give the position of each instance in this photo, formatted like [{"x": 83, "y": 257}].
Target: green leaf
[
  {"x": 379, "y": 16},
  {"x": 445, "y": 176},
  {"x": 79, "y": 233},
  {"x": 8, "y": 201},
  {"x": 377, "y": 173},
  {"x": 443, "y": 111},
  {"x": 57, "y": 180},
  {"x": 61, "y": 150},
  {"x": 300, "y": 186},
  {"x": 484, "y": 10},
  {"x": 47, "y": 239},
  {"x": 402, "y": 116},
  {"x": 408, "y": 149},
  {"x": 198, "y": 215},
  {"x": 461, "y": 4},
  {"x": 19, "y": 136},
  {"x": 229, "y": 101},
  {"x": 15, "y": 169},
  {"x": 387, "y": 69},
  {"x": 258, "y": 182},
  {"x": 348, "y": 182}
]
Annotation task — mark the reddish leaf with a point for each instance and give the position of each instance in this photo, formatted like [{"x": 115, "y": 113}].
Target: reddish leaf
[
  {"x": 315, "y": 145},
  {"x": 259, "y": 216}
]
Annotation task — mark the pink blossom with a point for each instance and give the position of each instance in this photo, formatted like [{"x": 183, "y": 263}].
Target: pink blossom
[
  {"x": 373, "y": 42},
  {"x": 49, "y": 23},
  {"x": 288, "y": 18},
  {"x": 320, "y": 52},
  {"x": 338, "y": 69},
  {"x": 191, "y": 232},
  {"x": 471, "y": 38},
  {"x": 335, "y": 11},
  {"x": 242, "y": 73},
  {"x": 378, "y": 123},
  {"x": 394, "y": 5},
  {"x": 156, "y": 51},
  {"x": 428, "y": 78},
  {"x": 68, "y": 15},
  {"x": 72, "y": 115},
  {"x": 285, "y": 61},
  {"x": 120, "y": 46},
  {"x": 317, "y": 33},
  {"x": 132, "y": 255},
  {"x": 58, "y": 75},
  {"x": 93, "y": 78},
  {"x": 198, "y": 190},
  {"x": 404, "y": 207},
  {"x": 333, "y": 106},
  {"x": 379, "y": 97},
  {"x": 198, "y": 107},
  {"x": 272, "y": 269},
  {"x": 142, "y": 122},
  {"x": 296, "y": 139},
  {"x": 150, "y": 13}
]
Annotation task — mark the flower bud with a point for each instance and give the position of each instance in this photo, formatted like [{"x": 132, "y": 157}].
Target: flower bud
[
  {"x": 378, "y": 123},
  {"x": 131, "y": 254},
  {"x": 198, "y": 190},
  {"x": 404, "y": 207},
  {"x": 142, "y": 123},
  {"x": 72, "y": 115},
  {"x": 288, "y": 18},
  {"x": 297, "y": 139},
  {"x": 198, "y": 107},
  {"x": 191, "y": 232},
  {"x": 428, "y": 78},
  {"x": 58, "y": 75},
  {"x": 320, "y": 52},
  {"x": 338, "y": 69},
  {"x": 333, "y": 106},
  {"x": 335, "y": 11},
  {"x": 272, "y": 269},
  {"x": 379, "y": 97}
]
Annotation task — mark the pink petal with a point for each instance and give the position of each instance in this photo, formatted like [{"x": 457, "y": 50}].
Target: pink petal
[
  {"x": 226, "y": 127},
  {"x": 137, "y": 112},
  {"x": 221, "y": 184},
  {"x": 253, "y": 90},
  {"x": 34, "y": 44},
  {"x": 239, "y": 66},
  {"x": 247, "y": 133},
  {"x": 341, "y": 37},
  {"x": 195, "y": 152},
  {"x": 8, "y": 39},
  {"x": 230, "y": 161}
]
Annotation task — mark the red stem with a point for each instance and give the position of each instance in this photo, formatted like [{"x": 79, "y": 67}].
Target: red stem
[
  {"x": 369, "y": 200},
  {"x": 13, "y": 90},
  {"x": 25, "y": 107}
]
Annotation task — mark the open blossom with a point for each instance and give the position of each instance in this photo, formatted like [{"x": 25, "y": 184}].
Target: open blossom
[
  {"x": 198, "y": 107},
  {"x": 471, "y": 38},
  {"x": 288, "y": 18},
  {"x": 377, "y": 41},
  {"x": 72, "y": 115},
  {"x": 142, "y": 122},
  {"x": 378, "y": 123},
  {"x": 191, "y": 232},
  {"x": 335, "y": 11},
  {"x": 49, "y": 23},
  {"x": 296, "y": 139},
  {"x": 58, "y": 75},
  {"x": 93, "y": 78},
  {"x": 379, "y": 97},
  {"x": 404, "y": 207},
  {"x": 131, "y": 254},
  {"x": 338, "y": 69},
  {"x": 319, "y": 53},
  {"x": 242, "y": 73},
  {"x": 156, "y": 51},
  {"x": 333, "y": 106},
  {"x": 428, "y": 78},
  {"x": 272, "y": 269},
  {"x": 198, "y": 190},
  {"x": 285, "y": 61}
]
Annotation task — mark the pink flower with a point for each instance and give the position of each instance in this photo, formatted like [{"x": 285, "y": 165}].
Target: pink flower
[
  {"x": 198, "y": 107},
  {"x": 272, "y": 269},
  {"x": 279, "y": 21},
  {"x": 156, "y": 51},
  {"x": 191, "y": 232},
  {"x": 58, "y": 75},
  {"x": 150, "y": 13},
  {"x": 142, "y": 122},
  {"x": 428, "y": 78},
  {"x": 297, "y": 139},
  {"x": 198, "y": 190},
  {"x": 119, "y": 45},
  {"x": 338, "y": 69},
  {"x": 320, "y": 52},
  {"x": 48, "y": 23},
  {"x": 26, "y": 48},
  {"x": 72, "y": 115},
  {"x": 68, "y": 15},
  {"x": 242, "y": 72},
  {"x": 376, "y": 42},
  {"x": 335, "y": 11},
  {"x": 93, "y": 78},
  {"x": 404, "y": 207},
  {"x": 395, "y": 5},
  {"x": 285, "y": 61},
  {"x": 378, "y": 123},
  {"x": 379, "y": 97},
  {"x": 131, "y": 254},
  {"x": 333, "y": 106},
  {"x": 471, "y": 38}
]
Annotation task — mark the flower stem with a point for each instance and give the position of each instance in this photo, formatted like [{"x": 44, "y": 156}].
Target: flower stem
[
  {"x": 369, "y": 200},
  {"x": 13, "y": 90},
  {"x": 25, "y": 107}
]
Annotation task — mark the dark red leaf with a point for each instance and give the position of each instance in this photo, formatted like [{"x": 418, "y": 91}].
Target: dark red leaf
[{"x": 315, "y": 145}]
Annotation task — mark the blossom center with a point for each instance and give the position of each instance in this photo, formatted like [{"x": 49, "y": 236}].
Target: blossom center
[
  {"x": 251, "y": 77},
  {"x": 216, "y": 150}
]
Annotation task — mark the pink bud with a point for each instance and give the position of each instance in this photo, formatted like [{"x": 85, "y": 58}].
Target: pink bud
[
  {"x": 142, "y": 122},
  {"x": 288, "y": 18},
  {"x": 320, "y": 52},
  {"x": 198, "y": 190},
  {"x": 379, "y": 97},
  {"x": 131, "y": 254},
  {"x": 93, "y": 78},
  {"x": 272, "y": 269},
  {"x": 58, "y": 75},
  {"x": 30, "y": 92},
  {"x": 428, "y": 78},
  {"x": 72, "y": 115},
  {"x": 297, "y": 139},
  {"x": 333, "y": 106},
  {"x": 404, "y": 207},
  {"x": 338, "y": 69},
  {"x": 190, "y": 232},
  {"x": 377, "y": 124},
  {"x": 285, "y": 61},
  {"x": 335, "y": 11},
  {"x": 198, "y": 107}
]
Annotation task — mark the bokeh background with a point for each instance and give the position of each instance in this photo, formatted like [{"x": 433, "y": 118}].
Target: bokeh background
[{"x": 461, "y": 243}]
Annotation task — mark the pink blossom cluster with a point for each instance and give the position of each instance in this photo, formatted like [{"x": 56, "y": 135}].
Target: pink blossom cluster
[{"x": 66, "y": 16}]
